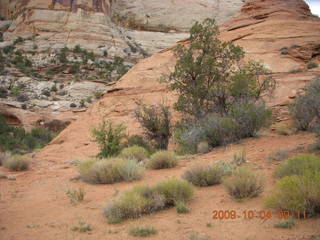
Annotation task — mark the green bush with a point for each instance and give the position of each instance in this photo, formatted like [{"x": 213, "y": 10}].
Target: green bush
[
  {"x": 306, "y": 108},
  {"x": 16, "y": 163},
  {"x": 109, "y": 137},
  {"x": 142, "y": 200},
  {"x": 203, "y": 147},
  {"x": 162, "y": 159},
  {"x": 8, "y": 49},
  {"x": 298, "y": 165},
  {"x": 244, "y": 183},
  {"x": 134, "y": 152},
  {"x": 142, "y": 231},
  {"x": 182, "y": 208},
  {"x": 297, "y": 193},
  {"x": 109, "y": 171},
  {"x": 137, "y": 140},
  {"x": 202, "y": 176},
  {"x": 312, "y": 64},
  {"x": 156, "y": 123}
]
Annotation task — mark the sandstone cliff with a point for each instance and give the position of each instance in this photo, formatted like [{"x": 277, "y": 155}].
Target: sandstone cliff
[{"x": 263, "y": 29}]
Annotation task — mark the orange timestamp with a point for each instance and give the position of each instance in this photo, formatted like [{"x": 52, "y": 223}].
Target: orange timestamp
[{"x": 254, "y": 214}]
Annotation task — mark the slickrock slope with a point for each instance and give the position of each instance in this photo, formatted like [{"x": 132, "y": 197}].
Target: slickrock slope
[{"x": 263, "y": 28}]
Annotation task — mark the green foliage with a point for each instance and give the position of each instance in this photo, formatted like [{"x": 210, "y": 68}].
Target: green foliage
[
  {"x": 74, "y": 68},
  {"x": 18, "y": 40},
  {"x": 16, "y": 163},
  {"x": 8, "y": 49},
  {"x": 312, "y": 64},
  {"x": 298, "y": 165},
  {"x": 16, "y": 139},
  {"x": 289, "y": 223},
  {"x": 142, "y": 231},
  {"x": 62, "y": 56},
  {"x": 182, "y": 208},
  {"x": 297, "y": 193},
  {"x": 3, "y": 92},
  {"x": 306, "y": 108},
  {"x": 109, "y": 171},
  {"x": 244, "y": 183},
  {"x": 206, "y": 77},
  {"x": 134, "y": 152},
  {"x": 162, "y": 159},
  {"x": 156, "y": 123},
  {"x": 137, "y": 140},
  {"x": 203, "y": 176},
  {"x": 108, "y": 136},
  {"x": 142, "y": 199}
]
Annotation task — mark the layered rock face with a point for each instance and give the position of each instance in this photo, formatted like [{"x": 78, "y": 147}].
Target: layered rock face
[
  {"x": 264, "y": 28},
  {"x": 120, "y": 27}
]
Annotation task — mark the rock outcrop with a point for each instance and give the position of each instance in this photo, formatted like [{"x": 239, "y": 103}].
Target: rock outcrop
[{"x": 263, "y": 28}]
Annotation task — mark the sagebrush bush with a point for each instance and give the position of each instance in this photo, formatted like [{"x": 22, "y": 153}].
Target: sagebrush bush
[
  {"x": 297, "y": 193},
  {"x": 298, "y": 165},
  {"x": 134, "y": 152},
  {"x": 17, "y": 162},
  {"x": 109, "y": 171},
  {"x": 143, "y": 199},
  {"x": 109, "y": 137},
  {"x": 202, "y": 175},
  {"x": 137, "y": 140},
  {"x": 181, "y": 207},
  {"x": 244, "y": 183},
  {"x": 203, "y": 147},
  {"x": 162, "y": 159},
  {"x": 306, "y": 108}
]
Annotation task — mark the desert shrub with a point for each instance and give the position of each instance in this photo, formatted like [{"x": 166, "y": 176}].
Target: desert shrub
[
  {"x": 3, "y": 156},
  {"x": 162, "y": 159},
  {"x": 298, "y": 165},
  {"x": 202, "y": 176},
  {"x": 203, "y": 147},
  {"x": 16, "y": 163},
  {"x": 306, "y": 107},
  {"x": 288, "y": 223},
  {"x": 279, "y": 155},
  {"x": 239, "y": 158},
  {"x": 62, "y": 55},
  {"x": 137, "y": 140},
  {"x": 142, "y": 200},
  {"x": 198, "y": 236},
  {"x": 8, "y": 49},
  {"x": 156, "y": 123},
  {"x": 18, "y": 40},
  {"x": 181, "y": 207},
  {"x": 3, "y": 92},
  {"x": 244, "y": 183},
  {"x": 76, "y": 196},
  {"x": 134, "y": 152},
  {"x": 285, "y": 130},
  {"x": 109, "y": 171},
  {"x": 312, "y": 64},
  {"x": 74, "y": 68},
  {"x": 142, "y": 231},
  {"x": 250, "y": 118},
  {"x": 297, "y": 193},
  {"x": 82, "y": 227},
  {"x": 109, "y": 137}
]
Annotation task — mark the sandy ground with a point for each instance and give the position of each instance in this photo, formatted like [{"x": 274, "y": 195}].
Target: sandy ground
[{"x": 36, "y": 206}]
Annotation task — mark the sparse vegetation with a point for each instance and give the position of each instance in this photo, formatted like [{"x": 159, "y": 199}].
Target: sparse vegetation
[
  {"x": 182, "y": 208},
  {"x": 240, "y": 158},
  {"x": 162, "y": 159},
  {"x": 134, "y": 152},
  {"x": 142, "y": 199},
  {"x": 76, "y": 196},
  {"x": 285, "y": 130},
  {"x": 109, "y": 171},
  {"x": 17, "y": 162},
  {"x": 244, "y": 183},
  {"x": 82, "y": 227},
  {"x": 108, "y": 135},
  {"x": 279, "y": 155},
  {"x": 142, "y": 231},
  {"x": 156, "y": 122},
  {"x": 203, "y": 147},
  {"x": 198, "y": 236},
  {"x": 288, "y": 223}
]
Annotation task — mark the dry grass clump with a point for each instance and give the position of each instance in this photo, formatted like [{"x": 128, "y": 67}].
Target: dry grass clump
[
  {"x": 108, "y": 171},
  {"x": 17, "y": 162},
  {"x": 162, "y": 159},
  {"x": 203, "y": 147},
  {"x": 144, "y": 199},
  {"x": 134, "y": 152},
  {"x": 142, "y": 231},
  {"x": 244, "y": 183}
]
